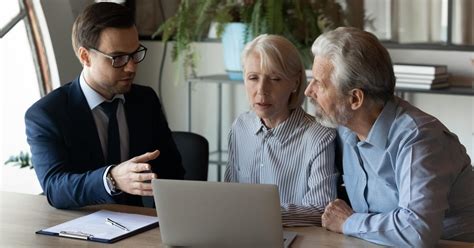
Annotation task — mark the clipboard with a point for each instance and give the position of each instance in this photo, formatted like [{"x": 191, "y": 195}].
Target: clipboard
[{"x": 97, "y": 226}]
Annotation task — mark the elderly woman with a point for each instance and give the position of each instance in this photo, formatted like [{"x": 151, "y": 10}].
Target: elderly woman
[{"x": 277, "y": 142}]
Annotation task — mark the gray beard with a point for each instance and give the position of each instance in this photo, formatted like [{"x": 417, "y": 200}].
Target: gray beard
[{"x": 341, "y": 117}]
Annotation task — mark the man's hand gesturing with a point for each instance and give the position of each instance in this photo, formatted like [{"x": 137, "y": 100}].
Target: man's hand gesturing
[{"x": 133, "y": 176}]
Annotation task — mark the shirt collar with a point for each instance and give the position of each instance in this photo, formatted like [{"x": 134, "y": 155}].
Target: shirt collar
[
  {"x": 284, "y": 129},
  {"x": 378, "y": 134},
  {"x": 347, "y": 135},
  {"x": 257, "y": 124},
  {"x": 93, "y": 98}
]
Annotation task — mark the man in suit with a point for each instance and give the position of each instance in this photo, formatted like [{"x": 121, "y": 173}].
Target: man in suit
[{"x": 101, "y": 138}]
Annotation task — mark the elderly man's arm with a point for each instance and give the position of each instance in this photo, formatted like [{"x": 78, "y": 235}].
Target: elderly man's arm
[{"x": 424, "y": 173}]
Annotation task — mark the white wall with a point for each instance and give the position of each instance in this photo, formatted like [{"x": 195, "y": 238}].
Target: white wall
[
  {"x": 456, "y": 112},
  {"x": 56, "y": 20}
]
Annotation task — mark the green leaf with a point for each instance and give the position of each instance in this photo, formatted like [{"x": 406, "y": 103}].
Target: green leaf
[
  {"x": 301, "y": 21},
  {"x": 274, "y": 16},
  {"x": 256, "y": 24},
  {"x": 23, "y": 159}
]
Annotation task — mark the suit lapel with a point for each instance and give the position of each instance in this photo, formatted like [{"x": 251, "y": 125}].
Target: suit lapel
[{"x": 132, "y": 116}]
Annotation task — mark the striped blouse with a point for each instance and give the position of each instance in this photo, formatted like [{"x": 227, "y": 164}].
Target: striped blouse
[{"x": 297, "y": 155}]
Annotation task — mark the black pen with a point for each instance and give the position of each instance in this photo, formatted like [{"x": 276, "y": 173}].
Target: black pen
[{"x": 114, "y": 223}]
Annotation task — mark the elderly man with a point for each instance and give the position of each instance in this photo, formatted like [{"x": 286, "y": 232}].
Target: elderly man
[{"x": 409, "y": 180}]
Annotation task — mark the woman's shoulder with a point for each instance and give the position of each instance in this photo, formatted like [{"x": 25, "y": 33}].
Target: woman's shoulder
[
  {"x": 244, "y": 120},
  {"x": 244, "y": 117}
]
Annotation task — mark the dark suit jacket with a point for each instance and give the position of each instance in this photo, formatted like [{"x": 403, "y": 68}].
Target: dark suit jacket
[{"x": 66, "y": 150}]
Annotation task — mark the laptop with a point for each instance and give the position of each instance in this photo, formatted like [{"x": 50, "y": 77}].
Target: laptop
[{"x": 214, "y": 214}]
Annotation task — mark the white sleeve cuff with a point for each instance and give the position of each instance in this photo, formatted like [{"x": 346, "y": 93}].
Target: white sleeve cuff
[
  {"x": 104, "y": 179},
  {"x": 353, "y": 225}
]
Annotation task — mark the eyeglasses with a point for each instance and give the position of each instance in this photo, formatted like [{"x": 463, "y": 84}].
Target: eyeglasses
[{"x": 121, "y": 60}]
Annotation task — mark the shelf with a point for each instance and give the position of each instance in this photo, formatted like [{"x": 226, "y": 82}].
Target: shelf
[
  {"x": 455, "y": 90},
  {"x": 219, "y": 156},
  {"x": 461, "y": 91},
  {"x": 220, "y": 79},
  {"x": 214, "y": 158}
]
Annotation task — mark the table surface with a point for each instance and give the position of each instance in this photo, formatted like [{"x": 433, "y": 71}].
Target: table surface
[{"x": 21, "y": 215}]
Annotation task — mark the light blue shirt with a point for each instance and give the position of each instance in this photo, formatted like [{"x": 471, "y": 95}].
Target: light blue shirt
[{"x": 410, "y": 182}]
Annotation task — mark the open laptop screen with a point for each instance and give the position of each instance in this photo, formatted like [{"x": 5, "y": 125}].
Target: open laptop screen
[{"x": 212, "y": 214}]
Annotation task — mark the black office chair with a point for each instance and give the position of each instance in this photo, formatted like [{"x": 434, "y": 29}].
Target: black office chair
[{"x": 194, "y": 150}]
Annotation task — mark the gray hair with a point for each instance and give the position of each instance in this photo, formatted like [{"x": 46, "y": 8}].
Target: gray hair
[
  {"x": 359, "y": 60},
  {"x": 280, "y": 55}
]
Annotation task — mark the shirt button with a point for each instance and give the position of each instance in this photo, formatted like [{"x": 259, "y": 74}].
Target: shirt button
[{"x": 261, "y": 165}]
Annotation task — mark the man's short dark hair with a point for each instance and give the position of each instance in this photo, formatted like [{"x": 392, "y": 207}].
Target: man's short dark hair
[{"x": 97, "y": 17}]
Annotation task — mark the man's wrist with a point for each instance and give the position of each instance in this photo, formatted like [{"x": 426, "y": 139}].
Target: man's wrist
[
  {"x": 111, "y": 181},
  {"x": 353, "y": 223}
]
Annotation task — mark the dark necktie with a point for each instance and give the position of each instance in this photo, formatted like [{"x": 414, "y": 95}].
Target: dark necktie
[{"x": 113, "y": 136}]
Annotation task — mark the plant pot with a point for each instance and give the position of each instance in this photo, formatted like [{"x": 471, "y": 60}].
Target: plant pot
[{"x": 233, "y": 41}]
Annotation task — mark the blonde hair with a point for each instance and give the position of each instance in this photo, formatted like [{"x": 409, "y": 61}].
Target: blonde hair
[{"x": 278, "y": 54}]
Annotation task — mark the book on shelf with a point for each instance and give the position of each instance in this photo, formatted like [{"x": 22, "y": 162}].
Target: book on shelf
[
  {"x": 422, "y": 86},
  {"x": 420, "y": 69},
  {"x": 407, "y": 76},
  {"x": 421, "y": 81}
]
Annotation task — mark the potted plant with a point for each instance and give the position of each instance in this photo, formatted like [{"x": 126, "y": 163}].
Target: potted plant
[
  {"x": 301, "y": 21},
  {"x": 23, "y": 160},
  {"x": 16, "y": 177}
]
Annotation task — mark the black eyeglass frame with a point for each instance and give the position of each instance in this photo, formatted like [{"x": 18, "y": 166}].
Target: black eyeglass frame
[{"x": 129, "y": 56}]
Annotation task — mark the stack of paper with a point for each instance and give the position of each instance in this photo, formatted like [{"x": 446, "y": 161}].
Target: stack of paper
[
  {"x": 103, "y": 226},
  {"x": 421, "y": 76}
]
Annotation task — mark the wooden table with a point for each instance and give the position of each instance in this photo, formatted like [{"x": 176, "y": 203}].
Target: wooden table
[{"x": 21, "y": 215}]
